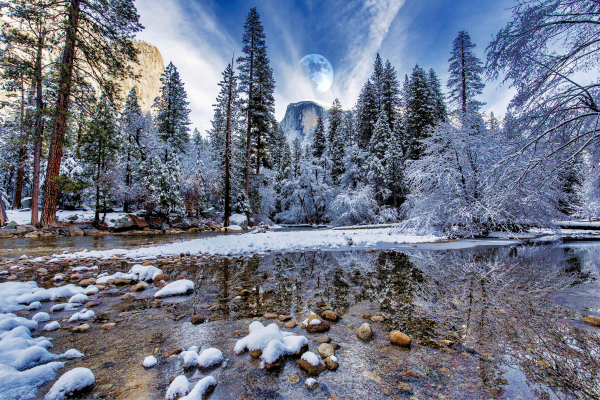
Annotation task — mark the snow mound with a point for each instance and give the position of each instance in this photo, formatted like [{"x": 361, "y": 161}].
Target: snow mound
[
  {"x": 311, "y": 358},
  {"x": 91, "y": 289},
  {"x": 41, "y": 317},
  {"x": 273, "y": 342},
  {"x": 179, "y": 387},
  {"x": 201, "y": 388},
  {"x": 73, "y": 381},
  {"x": 24, "y": 384},
  {"x": 82, "y": 315},
  {"x": 116, "y": 276},
  {"x": 237, "y": 219},
  {"x": 310, "y": 382},
  {"x": 206, "y": 359},
  {"x": 149, "y": 361},
  {"x": 145, "y": 273},
  {"x": 182, "y": 286},
  {"x": 72, "y": 353},
  {"x": 64, "y": 307},
  {"x": 234, "y": 228},
  {"x": 52, "y": 326},
  {"x": 36, "y": 305},
  {"x": 12, "y": 322},
  {"x": 78, "y": 298}
]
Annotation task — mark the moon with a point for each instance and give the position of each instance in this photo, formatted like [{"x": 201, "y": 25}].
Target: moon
[{"x": 318, "y": 71}]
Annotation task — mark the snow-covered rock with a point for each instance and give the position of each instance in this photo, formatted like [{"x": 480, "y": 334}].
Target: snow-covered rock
[
  {"x": 149, "y": 361},
  {"x": 71, "y": 382},
  {"x": 311, "y": 358},
  {"x": 41, "y": 317},
  {"x": 238, "y": 219},
  {"x": 180, "y": 287},
  {"x": 201, "y": 388},
  {"x": 52, "y": 326},
  {"x": 178, "y": 388},
  {"x": 82, "y": 315},
  {"x": 145, "y": 272},
  {"x": 208, "y": 358},
  {"x": 78, "y": 298}
]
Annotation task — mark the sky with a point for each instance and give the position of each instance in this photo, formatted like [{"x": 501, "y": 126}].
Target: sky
[{"x": 200, "y": 37}]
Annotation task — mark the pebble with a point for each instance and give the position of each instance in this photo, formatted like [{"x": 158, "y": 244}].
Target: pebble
[
  {"x": 364, "y": 332},
  {"x": 294, "y": 378},
  {"x": 330, "y": 364},
  {"x": 290, "y": 324},
  {"x": 311, "y": 369},
  {"x": 139, "y": 287},
  {"x": 311, "y": 384},
  {"x": 127, "y": 296},
  {"x": 173, "y": 352},
  {"x": 213, "y": 307},
  {"x": 399, "y": 338},
  {"x": 270, "y": 316},
  {"x": 161, "y": 277},
  {"x": 377, "y": 318},
  {"x": 372, "y": 376},
  {"x": 326, "y": 350},
  {"x": 329, "y": 315},
  {"x": 108, "y": 326},
  {"x": 93, "y": 303},
  {"x": 588, "y": 319},
  {"x": 322, "y": 327},
  {"x": 284, "y": 318},
  {"x": 198, "y": 319},
  {"x": 323, "y": 339},
  {"x": 81, "y": 328}
]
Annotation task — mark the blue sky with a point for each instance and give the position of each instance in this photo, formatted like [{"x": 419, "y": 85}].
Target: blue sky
[{"x": 200, "y": 36}]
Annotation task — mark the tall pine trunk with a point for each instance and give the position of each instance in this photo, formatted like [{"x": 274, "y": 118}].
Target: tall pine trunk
[
  {"x": 227, "y": 150},
  {"x": 249, "y": 117},
  {"x": 38, "y": 133},
  {"x": 60, "y": 120},
  {"x": 18, "y": 195}
]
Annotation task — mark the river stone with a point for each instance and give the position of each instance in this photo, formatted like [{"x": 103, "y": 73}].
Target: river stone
[
  {"x": 198, "y": 319},
  {"x": 311, "y": 385},
  {"x": 74, "y": 230},
  {"x": 322, "y": 327},
  {"x": 329, "y": 315},
  {"x": 244, "y": 292},
  {"x": 377, "y": 318},
  {"x": 588, "y": 319},
  {"x": 81, "y": 328},
  {"x": 399, "y": 338},
  {"x": 270, "y": 316},
  {"x": 326, "y": 350},
  {"x": 139, "y": 287},
  {"x": 93, "y": 303},
  {"x": 311, "y": 369},
  {"x": 284, "y": 318},
  {"x": 108, "y": 326},
  {"x": 161, "y": 277},
  {"x": 87, "y": 282},
  {"x": 335, "y": 346},
  {"x": 173, "y": 352},
  {"x": 290, "y": 324},
  {"x": 330, "y": 364},
  {"x": 255, "y": 353},
  {"x": 323, "y": 339},
  {"x": 127, "y": 296},
  {"x": 122, "y": 281},
  {"x": 364, "y": 332},
  {"x": 294, "y": 378},
  {"x": 278, "y": 363}
]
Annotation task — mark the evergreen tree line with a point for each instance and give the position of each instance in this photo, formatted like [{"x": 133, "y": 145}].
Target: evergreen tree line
[{"x": 405, "y": 152}]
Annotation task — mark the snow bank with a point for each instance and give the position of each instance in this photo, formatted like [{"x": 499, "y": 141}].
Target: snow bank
[
  {"x": 149, "y": 361},
  {"x": 179, "y": 387},
  {"x": 269, "y": 241},
  {"x": 116, "y": 276},
  {"x": 237, "y": 219},
  {"x": 179, "y": 287},
  {"x": 73, "y": 381},
  {"x": 24, "y": 384},
  {"x": 72, "y": 353},
  {"x": 208, "y": 358},
  {"x": 201, "y": 388},
  {"x": 78, "y": 298}
]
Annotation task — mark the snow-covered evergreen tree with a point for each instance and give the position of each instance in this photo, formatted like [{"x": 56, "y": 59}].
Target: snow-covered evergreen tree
[
  {"x": 420, "y": 112},
  {"x": 172, "y": 113},
  {"x": 465, "y": 75},
  {"x": 319, "y": 144}
]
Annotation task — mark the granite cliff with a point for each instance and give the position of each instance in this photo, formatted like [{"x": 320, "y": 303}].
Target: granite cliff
[{"x": 301, "y": 119}]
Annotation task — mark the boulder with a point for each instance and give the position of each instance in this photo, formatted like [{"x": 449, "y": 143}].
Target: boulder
[
  {"x": 74, "y": 230},
  {"x": 124, "y": 223}
]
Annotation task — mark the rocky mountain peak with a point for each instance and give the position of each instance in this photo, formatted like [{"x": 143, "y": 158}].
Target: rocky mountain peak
[{"x": 301, "y": 119}]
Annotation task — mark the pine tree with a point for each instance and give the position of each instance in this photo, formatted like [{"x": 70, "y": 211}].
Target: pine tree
[
  {"x": 172, "y": 113},
  {"x": 319, "y": 144},
  {"x": 258, "y": 85},
  {"x": 390, "y": 95},
  {"x": 97, "y": 40},
  {"x": 366, "y": 114},
  {"x": 420, "y": 112},
  {"x": 376, "y": 159},
  {"x": 465, "y": 74},
  {"x": 439, "y": 105},
  {"x": 394, "y": 169},
  {"x": 336, "y": 119},
  {"x": 337, "y": 144},
  {"x": 378, "y": 80},
  {"x": 99, "y": 147}
]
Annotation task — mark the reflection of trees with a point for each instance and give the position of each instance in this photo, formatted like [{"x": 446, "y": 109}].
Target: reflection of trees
[{"x": 497, "y": 307}]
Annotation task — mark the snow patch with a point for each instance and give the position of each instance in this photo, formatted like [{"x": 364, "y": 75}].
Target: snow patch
[
  {"x": 82, "y": 315},
  {"x": 74, "y": 380},
  {"x": 149, "y": 361},
  {"x": 311, "y": 358},
  {"x": 201, "y": 388},
  {"x": 179, "y": 287},
  {"x": 179, "y": 387}
]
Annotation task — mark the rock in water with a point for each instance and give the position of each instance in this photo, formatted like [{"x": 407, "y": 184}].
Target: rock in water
[
  {"x": 331, "y": 363},
  {"x": 399, "y": 338},
  {"x": 591, "y": 320},
  {"x": 326, "y": 350},
  {"x": 364, "y": 332},
  {"x": 316, "y": 328},
  {"x": 71, "y": 383},
  {"x": 329, "y": 315},
  {"x": 198, "y": 319}
]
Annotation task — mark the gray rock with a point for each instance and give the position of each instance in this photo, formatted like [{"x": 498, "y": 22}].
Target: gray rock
[
  {"x": 11, "y": 225},
  {"x": 74, "y": 230},
  {"x": 364, "y": 332},
  {"x": 124, "y": 223}
]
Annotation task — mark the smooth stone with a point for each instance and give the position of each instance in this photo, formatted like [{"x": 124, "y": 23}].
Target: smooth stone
[
  {"x": 87, "y": 282},
  {"x": 122, "y": 281},
  {"x": 93, "y": 303},
  {"x": 323, "y": 339},
  {"x": 364, "y": 332},
  {"x": 330, "y": 364},
  {"x": 311, "y": 369},
  {"x": 399, "y": 338},
  {"x": 372, "y": 376},
  {"x": 270, "y": 316},
  {"x": 139, "y": 287},
  {"x": 290, "y": 324},
  {"x": 255, "y": 353},
  {"x": 335, "y": 346},
  {"x": 127, "y": 296},
  {"x": 315, "y": 385},
  {"x": 326, "y": 350},
  {"x": 377, "y": 318},
  {"x": 213, "y": 307},
  {"x": 161, "y": 277},
  {"x": 329, "y": 315},
  {"x": 108, "y": 326},
  {"x": 244, "y": 292},
  {"x": 588, "y": 319},
  {"x": 294, "y": 378},
  {"x": 173, "y": 352},
  {"x": 81, "y": 328},
  {"x": 322, "y": 327},
  {"x": 284, "y": 318},
  {"x": 198, "y": 319}
]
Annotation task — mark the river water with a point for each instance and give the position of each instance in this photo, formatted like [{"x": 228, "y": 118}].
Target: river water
[{"x": 486, "y": 323}]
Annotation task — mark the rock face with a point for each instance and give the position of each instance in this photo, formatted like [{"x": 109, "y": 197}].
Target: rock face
[
  {"x": 150, "y": 69},
  {"x": 301, "y": 119}
]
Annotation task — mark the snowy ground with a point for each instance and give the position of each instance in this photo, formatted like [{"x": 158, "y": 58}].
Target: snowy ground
[
  {"x": 269, "y": 241},
  {"x": 24, "y": 217}
]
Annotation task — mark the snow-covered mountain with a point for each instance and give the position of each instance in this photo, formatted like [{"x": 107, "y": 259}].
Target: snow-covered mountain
[{"x": 301, "y": 119}]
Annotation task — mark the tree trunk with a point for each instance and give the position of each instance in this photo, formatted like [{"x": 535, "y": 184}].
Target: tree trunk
[
  {"x": 249, "y": 117},
  {"x": 60, "y": 120},
  {"x": 18, "y": 195},
  {"x": 38, "y": 133},
  {"x": 227, "y": 151},
  {"x": 464, "y": 78},
  {"x": 97, "y": 213}
]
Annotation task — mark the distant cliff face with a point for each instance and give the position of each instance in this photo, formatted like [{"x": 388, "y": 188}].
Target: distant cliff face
[
  {"x": 301, "y": 119},
  {"x": 149, "y": 69}
]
